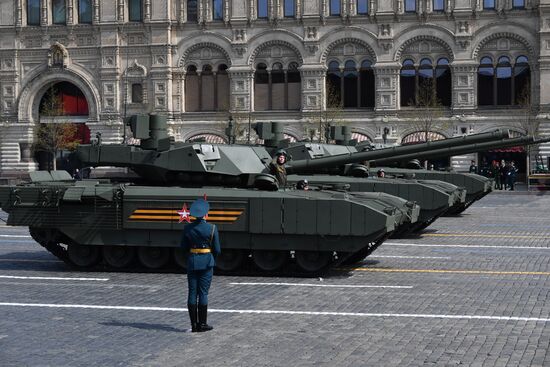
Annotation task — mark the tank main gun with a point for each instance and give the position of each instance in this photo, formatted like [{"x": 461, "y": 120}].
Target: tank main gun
[
  {"x": 461, "y": 149},
  {"x": 313, "y": 164}
]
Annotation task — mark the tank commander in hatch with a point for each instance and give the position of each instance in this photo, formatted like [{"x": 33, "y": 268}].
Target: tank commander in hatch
[
  {"x": 201, "y": 241},
  {"x": 302, "y": 185},
  {"x": 277, "y": 167}
]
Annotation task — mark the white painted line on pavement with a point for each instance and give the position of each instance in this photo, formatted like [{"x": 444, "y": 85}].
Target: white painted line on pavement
[
  {"x": 324, "y": 285},
  {"x": 52, "y": 278},
  {"x": 15, "y": 236},
  {"x": 410, "y": 257},
  {"x": 284, "y": 312},
  {"x": 464, "y": 246}
]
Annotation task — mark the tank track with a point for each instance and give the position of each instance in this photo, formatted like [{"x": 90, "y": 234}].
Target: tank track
[{"x": 52, "y": 241}]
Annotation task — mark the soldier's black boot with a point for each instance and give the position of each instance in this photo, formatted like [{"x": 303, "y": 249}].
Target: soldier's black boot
[
  {"x": 193, "y": 317},
  {"x": 203, "y": 326}
]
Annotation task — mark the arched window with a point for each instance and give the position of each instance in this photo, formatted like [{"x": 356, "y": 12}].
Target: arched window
[
  {"x": 333, "y": 89},
  {"x": 504, "y": 84},
  {"x": 261, "y": 88},
  {"x": 84, "y": 11},
  {"x": 366, "y": 77},
  {"x": 350, "y": 87},
  {"x": 485, "y": 82},
  {"x": 192, "y": 14},
  {"x": 207, "y": 85},
  {"x": 192, "y": 86},
  {"x": 262, "y": 9},
  {"x": 421, "y": 137},
  {"x": 64, "y": 99},
  {"x": 207, "y": 91},
  {"x": 217, "y": 9},
  {"x": 522, "y": 81},
  {"x": 222, "y": 89},
  {"x": 294, "y": 87},
  {"x": 58, "y": 12},
  {"x": 207, "y": 138},
  {"x": 426, "y": 85},
  {"x": 289, "y": 8},
  {"x": 33, "y": 12},
  {"x": 504, "y": 81},
  {"x": 443, "y": 82},
  {"x": 135, "y": 13},
  {"x": 362, "y": 7},
  {"x": 277, "y": 88},
  {"x": 335, "y": 7},
  {"x": 407, "y": 83},
  {"x": 137, "y": 93},
  {"x": 350, "y": 84}
]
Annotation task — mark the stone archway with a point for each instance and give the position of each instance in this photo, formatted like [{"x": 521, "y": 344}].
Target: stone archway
[{"x": 40, "y": 81}]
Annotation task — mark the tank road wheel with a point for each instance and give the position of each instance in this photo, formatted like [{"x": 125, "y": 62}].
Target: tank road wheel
[
  {"x": 119, "y": 256},
  {"x": 313, "y": 261},
  {"x": 83, "y": 256},
  {"x": 180, "y": 258},
  {"x": 269, "y": 260},
  {"x": 153, "y": 257},
  {"x": 229, "y": 259}
]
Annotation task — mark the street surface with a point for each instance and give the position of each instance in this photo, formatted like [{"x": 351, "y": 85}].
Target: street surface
[{"x": 472, "y": 290}]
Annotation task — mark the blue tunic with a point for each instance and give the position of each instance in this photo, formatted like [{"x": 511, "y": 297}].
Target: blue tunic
[{"x": 200, "y": 234}]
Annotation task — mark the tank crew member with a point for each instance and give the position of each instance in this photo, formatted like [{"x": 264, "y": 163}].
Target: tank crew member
[
  {"x": 201, "y": 240},
  {"x": 277, "y": 167},
  {"x": 302, "y": 185},
  {"x": 381, "y": 173}
]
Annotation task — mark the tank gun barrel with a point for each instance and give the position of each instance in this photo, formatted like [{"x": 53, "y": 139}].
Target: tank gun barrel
[
  {"x": 358, "y": 157},
  {"x": 470, "y": 148}
]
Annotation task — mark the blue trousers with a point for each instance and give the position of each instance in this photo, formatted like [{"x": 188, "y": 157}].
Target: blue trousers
[{"x": 199, "y": 284}]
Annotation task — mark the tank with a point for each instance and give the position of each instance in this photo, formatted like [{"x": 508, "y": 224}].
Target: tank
[
  {"x": 114, "y": 222},
  {"x": 351, "y": 160},
  {"x": 476, "y": 186}
]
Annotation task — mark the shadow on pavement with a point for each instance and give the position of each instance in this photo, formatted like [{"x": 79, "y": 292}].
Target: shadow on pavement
[{"x": 144, "y": 326}]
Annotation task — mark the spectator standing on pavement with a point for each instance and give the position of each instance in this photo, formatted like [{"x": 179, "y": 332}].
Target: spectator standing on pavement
[
  {"x": 503, "y": 175},
  {"x": 201, "y": 241},
  {"x": 512, "y": 174},
  {"x": 495, "y": 174},
  {"x": 473, "y": 167}
]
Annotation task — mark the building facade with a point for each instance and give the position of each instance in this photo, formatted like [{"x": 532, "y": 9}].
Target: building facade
[{"x": 393, "y": 70}]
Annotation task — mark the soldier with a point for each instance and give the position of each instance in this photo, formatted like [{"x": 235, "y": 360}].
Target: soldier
[
  {"x": 200, "y": 239},
  {"x": 277, "y": 167},
  {"x": 381, "y": 173},
  {"x": 302, "y": 185}
]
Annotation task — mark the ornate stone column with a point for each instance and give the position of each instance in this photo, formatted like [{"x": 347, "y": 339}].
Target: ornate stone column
[
  {"x": 241, "y": 93},
  {"x": 387, "y": 86},
  {"x": 464, "y": 85},
  {"x": 313, "y": 87}
]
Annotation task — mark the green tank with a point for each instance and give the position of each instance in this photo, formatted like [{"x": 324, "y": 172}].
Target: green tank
[
  {"x": 435, "y": 198},
  {"x": 350, "y": 160},
  {"x": 117, "y": 221},
  {"x": 476, "y": 186}
]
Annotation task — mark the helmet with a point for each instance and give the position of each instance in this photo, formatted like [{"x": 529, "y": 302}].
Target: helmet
[
  {"x": 302, "y": 184},
  {"x": 281, "y": 152}
]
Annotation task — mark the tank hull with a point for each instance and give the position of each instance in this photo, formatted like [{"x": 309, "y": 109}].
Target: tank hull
[{"x": 76, "y": 220}]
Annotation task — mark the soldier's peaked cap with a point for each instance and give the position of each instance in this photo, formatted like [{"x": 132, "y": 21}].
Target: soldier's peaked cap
[{"x": 199, "y": 208}]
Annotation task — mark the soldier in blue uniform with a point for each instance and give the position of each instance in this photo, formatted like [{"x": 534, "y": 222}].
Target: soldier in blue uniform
[{"x": 201, "y": 240}]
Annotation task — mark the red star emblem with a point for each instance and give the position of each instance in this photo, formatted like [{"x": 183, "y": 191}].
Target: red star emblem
[{"x": 184, "y": 214}]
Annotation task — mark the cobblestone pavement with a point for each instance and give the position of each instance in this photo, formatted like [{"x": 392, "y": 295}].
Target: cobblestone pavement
[{"x": 471, "y": 290}]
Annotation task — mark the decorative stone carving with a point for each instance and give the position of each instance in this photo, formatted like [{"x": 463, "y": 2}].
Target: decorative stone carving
[{"x": 58, "y": 56}]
